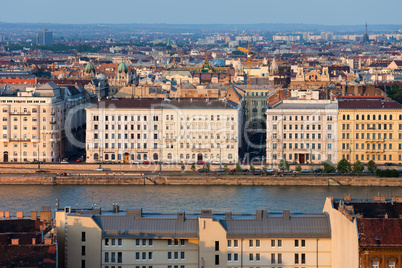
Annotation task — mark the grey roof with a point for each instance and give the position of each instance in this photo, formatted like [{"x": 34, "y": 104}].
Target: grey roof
[
  {"x": 199, "y": 104},
  {"x": 297, "y": 226},
  {"x": 158, "y": 227},
  {"x": 309, "y": 106}
]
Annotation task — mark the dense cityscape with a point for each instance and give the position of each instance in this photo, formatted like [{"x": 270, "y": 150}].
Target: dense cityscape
[{"x": 146, "y": 105}]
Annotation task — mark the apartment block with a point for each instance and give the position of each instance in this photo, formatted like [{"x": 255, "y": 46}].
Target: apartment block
[
  {"x": 302, "y": 131},
  {"x": 39, "y": 122},
  {"x": 132, "y": 238},
  {"x": 370, "y": 130},
  {"x": 179, "y": 131}
]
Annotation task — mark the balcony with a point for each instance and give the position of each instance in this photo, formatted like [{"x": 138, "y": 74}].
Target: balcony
[
  {"x": 200, "y": 150},
  {"x": 53, "y": 122},
  {"x": 376, "y": 151},
  {"x": 20, "y": 113},
  {"x": 20, "y": 140}
]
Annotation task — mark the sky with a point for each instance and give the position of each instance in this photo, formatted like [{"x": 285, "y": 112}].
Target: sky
[{"x": 324, "y": 12}]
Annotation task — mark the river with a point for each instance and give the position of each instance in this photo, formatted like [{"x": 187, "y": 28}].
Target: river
[{"x": 167, "y": 198}]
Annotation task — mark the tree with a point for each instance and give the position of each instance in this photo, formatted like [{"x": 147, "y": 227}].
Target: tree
[
  {"x": 183, "y": 167},
  {"x": 358, "y": 167},
  {"x": 371, "y": 166},
  {"x": 225, "y": 168},
  {"x": 298, "y": 168},
  {"x": 238, "y": 167},
  {"x": 252, "y": 168},
  {"x": 193, "y": 167},
  {"x": 283, "y": 165},
  {"x": 206, "y": 167},
  {"x": 329, "y": 167},
  {"x": 344, "y": 166},
  {"x": 264, "y": 168}
]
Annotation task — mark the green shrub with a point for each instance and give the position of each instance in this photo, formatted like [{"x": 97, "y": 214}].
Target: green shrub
[{"x": 387, "y": 173}]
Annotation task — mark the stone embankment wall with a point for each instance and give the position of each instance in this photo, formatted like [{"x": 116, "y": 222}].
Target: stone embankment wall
[{"x": 202, "y": 180}]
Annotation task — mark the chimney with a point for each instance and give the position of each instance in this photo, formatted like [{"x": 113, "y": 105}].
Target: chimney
[
  {"x": 97, "y": 211},
  {"x": 259, "y": 215},
  {"x": 1, "y": 214},
  {"x": 34, "y": 215},
  {"x": 206, "y": 212},
  {"x": 134, "y": 212},
  {"x": 20, "y": 214},
  {"x": 115, "y": 208},
  {"x": 286, "y": 214},
  {"x": 180, "y": 216},
  {"x": 46, "y": 216},
  {"x": 347, "y": 197},
  {"x": 33, "y": 241},
  {"x": 7, "y": 214},
  {"x": 228, "y": 216},
  {"x": 15, "y": 242}
]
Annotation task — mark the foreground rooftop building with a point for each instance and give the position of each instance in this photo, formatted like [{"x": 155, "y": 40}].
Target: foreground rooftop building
[{"x": 131, "y": 238}]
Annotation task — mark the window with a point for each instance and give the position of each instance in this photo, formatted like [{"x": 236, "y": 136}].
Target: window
[
  {"x": 279, "y": 258},
  {"x": 391, "y": 264},
  {"x": 182, "y": 255},
  {"x": 113, "y": 257},
  {"x": 236, "y": 243},
  {"x": 137, "y": 242},
  {"x": 257, "y": 243},
  {"x": 82, "y": 250},
  {"x": 257, "y": 256},
  {"x": 273, "y": 258},
  {"x": 150, "y": 242},
  {"x": 106, "y": 242},
  {"x": 297, "y": 241},
  {"x": 296, "y": 258},
  {"x": 176, "y": 255},
  {"x": 106, "y": 257},
  {"x": 113, "y": 242},
  {"x": 235, "y": 256},
  {"x": 250, "y": 257},
  {"x": 272, "y": 243},
  {"x": 169, "y": 255},
  {"x": 250, "y": 243},
  {"x": 82, "y": 263},
  {"x": 119, "y": 257},
  {"x": 229, "y": 243},
  {"x": 217, "y": 256},
  {"x": 303, "y": 258},
  {"x": 279, "y": 243},
  {"x": 303, "y": 243},
  {"x": 83, "y": 238},
  {"x": 216, "y": 245},
  {"x": 144, "y": 242},
  {"x": 119, "y": 242},
  {"x": 229, "y": 257}
]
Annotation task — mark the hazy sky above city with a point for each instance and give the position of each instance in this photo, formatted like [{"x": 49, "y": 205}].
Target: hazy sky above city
[{"x": 340, "y": 12}]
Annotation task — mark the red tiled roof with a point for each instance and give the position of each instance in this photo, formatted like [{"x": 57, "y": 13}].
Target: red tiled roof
[
  {"x": 380, "y": 232},
  {"x": 368, "y": 104}
]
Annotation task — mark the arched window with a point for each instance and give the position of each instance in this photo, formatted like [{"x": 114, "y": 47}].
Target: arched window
[
  {"x": 193, "y": 156},
  {"x": 132, "y": 156},
  {"x": 96, "y": 156},
  {"x": 155, "y": 156},
  {"x": 138, "y": 157},
  {"x": 119, "y": 157},
  {"x": 145, "y": 157},
  {"x": 169, "y": 156},
  {"x": 106, "y": 156},
  {"x": 181, "y": 156},
  {"x": 254, "y": 110},
  {"x": 230, "y": 156},
  {"x": 187, "y": 156},
  {"x": 113, "y": 157}
]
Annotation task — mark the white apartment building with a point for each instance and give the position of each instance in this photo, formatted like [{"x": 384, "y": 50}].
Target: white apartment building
[
  {"x": 302, "y": 131},
  {"x": 179, "y": 131},
  {"x": 36, "y": 121},
  {"x": 105, "y": 239},
  {"x": 124, "y": 130},
  {"x": 201, "y": 130}
]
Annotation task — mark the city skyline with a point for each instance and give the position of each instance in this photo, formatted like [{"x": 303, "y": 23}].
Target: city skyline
[{"x": 209, "y": 12}]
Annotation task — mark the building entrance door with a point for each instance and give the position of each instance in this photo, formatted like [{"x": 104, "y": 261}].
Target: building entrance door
[
  {"x": 199, "y": 157},
  {"x": 126, "y": 158},
  {"x": 5, "y": 157},
  {"x": 302, "y": 158}
]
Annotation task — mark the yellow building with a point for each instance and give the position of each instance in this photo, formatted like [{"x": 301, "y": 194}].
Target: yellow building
[
  {"x": 370, "y": 130},
  {"x": 104, "y": 239}
]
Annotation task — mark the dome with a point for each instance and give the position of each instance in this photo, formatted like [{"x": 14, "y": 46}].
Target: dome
[
  {"x": 122, "y": 68},
  {"x": 218, "y": 62},
  {"x": 89, "y": 68},
  {"x": 101, "y": 77}
]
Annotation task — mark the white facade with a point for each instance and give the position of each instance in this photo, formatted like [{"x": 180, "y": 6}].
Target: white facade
[
  {"x": 38, "y": 121},
  {"x": 302, "y": 131},
  {"x": 133, "y": 131}
]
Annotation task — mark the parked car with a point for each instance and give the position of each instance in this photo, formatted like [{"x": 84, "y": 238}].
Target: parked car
[
  {"x": 200, "y": 162},
  {"x": 270, "y": 170},
  {"x": 305, "y": 171},
  {"x": 318, "y": 170},
  {"x": 64, "y": 161},
  {"x": 201, "y": 170},
  {"x": 245, "y": 170},
  {"x": 257, "y": 171},
  {"x": 219, "y": 170},
  {"x": 145, "y": 162},
  {"x": 389, "y": 164},
  {"x": 41, "y": 171},
  {"x": 135, "y": 162},
  {"x": 79, "y": 160},
  {"x": 232, "y": 170},
  {"x": 215, "y": 162}
]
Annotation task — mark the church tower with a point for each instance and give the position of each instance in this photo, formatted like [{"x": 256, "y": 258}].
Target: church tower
[{"x": 366, "y": 37}]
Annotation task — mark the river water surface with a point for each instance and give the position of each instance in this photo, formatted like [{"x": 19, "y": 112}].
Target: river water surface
[{"x": 168, "y": 198}]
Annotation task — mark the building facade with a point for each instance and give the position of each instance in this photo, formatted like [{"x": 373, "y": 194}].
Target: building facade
[
  {"x": 131, "y": 238},
  {"x": 370, "y": 130},
  {"x": 37, "y": 121},
  {"x": 302, "y": 131},
  {"x": 179, "y": 131}
]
